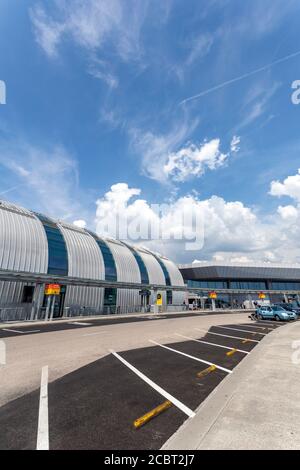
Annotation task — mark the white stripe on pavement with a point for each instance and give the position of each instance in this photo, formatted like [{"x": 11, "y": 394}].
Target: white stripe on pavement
[
  {"x": 272, "y": 323},
  {"x": 260, "y": 327},
  {"x": 80, "y": 323},
  {"x": 226, "y": 336},
  {"x": 213, "y": 344},
  {"x": 238, "y": 329},
  {"x": 19, "y": 331},
  {"x": 190, "y": 413},
  {"x": 43, "y": 426},
  {"x": 191, "y": 357}
]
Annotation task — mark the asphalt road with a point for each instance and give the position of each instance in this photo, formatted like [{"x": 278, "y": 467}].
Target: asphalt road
[
  {"x": 75, "y": 323},
  {"x": 92, "y": 403}
]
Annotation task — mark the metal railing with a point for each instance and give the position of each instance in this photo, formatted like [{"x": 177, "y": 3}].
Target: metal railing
[{"x": 15, "y": 313}]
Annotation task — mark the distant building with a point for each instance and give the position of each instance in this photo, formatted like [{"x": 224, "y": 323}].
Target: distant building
[
  {"x": 242, "y": 284},
  {"x": 31, "y": 243}
]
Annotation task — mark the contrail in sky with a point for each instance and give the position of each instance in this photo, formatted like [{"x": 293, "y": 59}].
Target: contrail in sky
[
  {"x": 11, "y": 189},
  {"x": 241, "y": 77}
]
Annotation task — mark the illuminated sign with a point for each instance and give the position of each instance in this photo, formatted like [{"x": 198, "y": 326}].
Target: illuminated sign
[{"x": 52, "y": 289}]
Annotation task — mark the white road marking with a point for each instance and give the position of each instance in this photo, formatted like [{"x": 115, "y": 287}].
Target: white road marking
[
  {"x": 19, "y": 331},
  {"x": 213, "y": 344},
  {"x": 272, "y": 323},
  {"x": 190, "y": 413},
  {"x": 191, "y": 357},
  {"x": 260, "y": 327},
  {"x": 80, "y": 323},
  {"x": 92, "y": 334},
  {"x": 227, "y": 336},
  {"x": 43, "y": 425},
  {"x": 238, "y": 329}
]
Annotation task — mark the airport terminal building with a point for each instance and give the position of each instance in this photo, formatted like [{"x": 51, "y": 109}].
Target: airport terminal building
[
  {"x": 240, "y": 285},
  {"x": 49, "y": 268}
]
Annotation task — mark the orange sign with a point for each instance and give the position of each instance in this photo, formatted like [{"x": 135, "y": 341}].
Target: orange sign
[
  {"x": 213, "y": 295},
  {"x": 52, "y": 289},
  {"x": 261, "y": 295}
]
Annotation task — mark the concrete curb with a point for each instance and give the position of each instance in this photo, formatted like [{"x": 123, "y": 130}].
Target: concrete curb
[
  {"x": 117, "y": 317},
  {"x": 191, "y": 434}
]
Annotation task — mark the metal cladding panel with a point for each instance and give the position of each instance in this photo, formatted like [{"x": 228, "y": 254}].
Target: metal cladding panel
[
  {"x": 176, "y": 280},
  {"x": 155, "y": 273},
  {"x": 127, "y": 271},
  {"x": 23, "y": 247},
  {"x": 85, "y": 261},
  {"x": 213, "y": 272}
]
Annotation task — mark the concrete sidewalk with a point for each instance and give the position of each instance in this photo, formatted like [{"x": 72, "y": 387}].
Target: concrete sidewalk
[{"x": 255, "y": 407}]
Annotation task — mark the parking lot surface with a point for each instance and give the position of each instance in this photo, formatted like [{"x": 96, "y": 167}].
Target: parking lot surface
[{"x": 95, "y": 406}]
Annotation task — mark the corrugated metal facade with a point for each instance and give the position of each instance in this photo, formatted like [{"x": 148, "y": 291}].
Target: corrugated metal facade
[
  {"x": 155, "y": 272},
  {"x": 127, "y": 270},
  {"x": 176, "y": 280},
  {"x": 85, "y": 261},
  {"x": 24, "y": 247}
]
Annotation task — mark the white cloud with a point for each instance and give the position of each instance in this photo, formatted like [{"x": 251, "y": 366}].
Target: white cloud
[
  {"x": 79, "y": 223},
  {"x": 288, "y": 212},
  {"x": 155, "y": 148},
  {"x": 164, "y": 159},
  {"x": 91, "y": 24},
  {"x": 257, "y": 102},
  {"x": 235, "y": 144},
  {"x": 48, "y": 179},
  {"x": 193, "y": 161},
  {"x": 199, "y": 47},
  {"x": 289, "y": 187},
  {"x": 47, "y": 31},
  {"x": 231, "y": 229}
]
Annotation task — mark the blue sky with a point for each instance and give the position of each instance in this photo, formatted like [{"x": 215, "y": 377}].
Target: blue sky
[{"x": 98, "y": 97}]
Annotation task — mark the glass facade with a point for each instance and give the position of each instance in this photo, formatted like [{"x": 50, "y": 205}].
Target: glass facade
[
  {"x": 169, "y": 297},
  {"x": 208, "y": 284},
  {"x": 251, "y": 285},
  {"x": 141, "y": 264},
  {"x": 109, "y": 262},
  {"x": 57, "y": 250},
  {"x": 285, "y": 285},
  {"x": 110, "y": 293},
  {"x": 165, "y": 271}
]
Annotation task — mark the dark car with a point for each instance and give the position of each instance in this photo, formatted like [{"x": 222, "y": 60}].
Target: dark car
[{"x": 291, "y": 307}]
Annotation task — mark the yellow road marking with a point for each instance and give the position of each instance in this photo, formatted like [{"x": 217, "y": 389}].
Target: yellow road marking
[
  {"x": 206, "y": 371},
  {"x": 152, "y": 414},
  {"x": 230, "y": 353},
  {"x": 246, "y": 341}
]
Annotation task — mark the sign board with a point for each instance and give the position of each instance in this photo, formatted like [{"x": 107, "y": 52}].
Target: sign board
[
  {"x": 52, "y": 289},
  {"x": 145, "y": 292},
  {"x": 261, "y": 295},
  {"x": 159, "y": 299},
  {"x": 213, "y": 295}
]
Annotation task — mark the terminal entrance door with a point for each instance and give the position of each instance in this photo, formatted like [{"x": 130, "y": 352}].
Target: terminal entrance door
[{"x": 55, "y": 303}]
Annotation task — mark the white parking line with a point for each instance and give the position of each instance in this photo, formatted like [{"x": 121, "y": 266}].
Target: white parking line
[
  {"x": 19, "y": 331},
  {"x": 190, "y": 413},
  {"x": 260, "y": 327},
  {"x": 271, "y": 322},
  {"x": 43, "y": 425},
  {"x": 213, "y": 344},
  {"x": 237, "y": 329},
  {"x": 191, "y": 357},
  {"x": 226, "y": 336},
  {"x": 80, "y": 323}
]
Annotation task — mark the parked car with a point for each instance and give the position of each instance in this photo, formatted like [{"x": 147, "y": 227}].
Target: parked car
[
  {"x": 291, "y": 307},
  {"x": 275, "y": 312}
]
